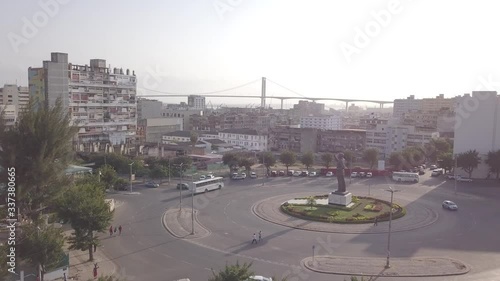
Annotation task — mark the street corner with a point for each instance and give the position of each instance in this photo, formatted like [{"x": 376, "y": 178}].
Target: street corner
[
  {"x": 184, "y": 223},
  {"x": 399, "y": 267}
]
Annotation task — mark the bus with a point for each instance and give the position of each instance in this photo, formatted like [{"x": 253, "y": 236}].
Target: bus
[
  {"x": 207, "y": 185},
  {"x": 405, "y": 176}
]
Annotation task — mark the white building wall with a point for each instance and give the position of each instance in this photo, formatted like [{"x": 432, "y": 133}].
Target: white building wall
[
  {"x": 250, "y": 142},
  {"x": 332, "y": 122},
  {"x": 477, "y": 127}
]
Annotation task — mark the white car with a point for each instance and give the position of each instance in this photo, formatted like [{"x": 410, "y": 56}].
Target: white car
[
  {"x": 450, "y": 205},
  {"x": 354, "y": 174},
  {"x": 297, "y": 173},
  {"x": 253, "y": 175},
  {"x": 202, "y": 177},
  {"x": 329, "y": 174},
  {"x": 244, "y": 175},
  {"x": 463, "y": 179},
  {"x": 312, "y": 174},
  {"x": 369, "y": 175},
  {"x": 210, "y": 176},
  {"x": 259, "y": 278}
]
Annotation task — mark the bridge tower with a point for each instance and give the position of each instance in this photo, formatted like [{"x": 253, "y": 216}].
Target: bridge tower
[{"x": 263, "y": 94}]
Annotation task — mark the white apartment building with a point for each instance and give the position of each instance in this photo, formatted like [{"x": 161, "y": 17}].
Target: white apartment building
[
  {"x": 248, "y": 139},
  {"x": 394, "y": 138},
  {"x": 185, "y": 136},
  {"x": 322, "y": 122},
  {"x": 477, "y": 127},
  {"x": 9, "y": 113},
  {"x": 196, "y": 102},
  {"x": 14, "y": 95},
  {"x": 101, "y": 100},
  {"x": 402, "y": 106}
]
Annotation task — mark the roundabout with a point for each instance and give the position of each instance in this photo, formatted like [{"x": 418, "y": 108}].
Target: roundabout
[{"x": 269, "y": 209}]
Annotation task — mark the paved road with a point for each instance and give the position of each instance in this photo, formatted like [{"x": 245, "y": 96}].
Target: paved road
[{"x": 147, "y": 252}]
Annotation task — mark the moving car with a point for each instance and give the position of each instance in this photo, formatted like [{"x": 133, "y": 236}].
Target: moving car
[
  {"x": 312, "y": 174},
  {"x": 185, "y": 186},
  {"x": 369, "y": 175},
  {"x": 259, "y": 278},
  {"x": 152, "y": 184},
  {"x": 460, "y": 179},
  {"x": 253, "y": 175},
  {"x": 436, "y": 172},
  {"x": 450, "y": 205},
  {"x": 329, "y": 174}
]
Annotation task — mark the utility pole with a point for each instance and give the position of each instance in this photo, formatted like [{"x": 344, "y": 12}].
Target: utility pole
[
  {"x": 131, "y": 175},
  {"x": 455, "y": 175},
  {"x": 180, "y": 188},
  {"x": 388, "y": 265},
  {"x": 264, "y": 169},
  {"x": 169, "y": 171},
  {"x": 192, "y": 206}
]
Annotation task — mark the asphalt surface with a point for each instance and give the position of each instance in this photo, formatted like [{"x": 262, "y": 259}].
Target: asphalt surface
[{"x": 146, "y": 251}]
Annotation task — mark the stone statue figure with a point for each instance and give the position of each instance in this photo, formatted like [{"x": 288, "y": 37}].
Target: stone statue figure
[{"x": 340, "y": 172}]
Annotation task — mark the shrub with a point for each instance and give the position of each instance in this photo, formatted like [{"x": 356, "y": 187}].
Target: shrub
[
  {"x": 368, "y": 207},
  {"x": 334, "y": 213},
  {"x": 355, "y": 199},
  {"x": 331, "y": 219},
  {"x": 357, "y": 215},
  {"x": 377, "y": 208}
]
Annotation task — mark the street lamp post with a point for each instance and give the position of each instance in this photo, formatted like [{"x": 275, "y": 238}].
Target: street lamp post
[
  {"x": 192, "y": 207},
  {"x": 180, "y": 188},
  {"x": 264, "y": 169},
  {"x": 131, "y": 175},
  {"x": 388, "y": 265},
  {"x": 169, "y": 171},
  {"x": 455, "y": 175}
]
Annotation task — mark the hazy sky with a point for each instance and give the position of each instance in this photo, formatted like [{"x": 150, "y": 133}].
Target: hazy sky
[{"x": 348, "y": 49}]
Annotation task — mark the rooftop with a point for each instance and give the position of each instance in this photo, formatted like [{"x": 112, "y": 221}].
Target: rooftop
[{"x": 241, "y": 131}]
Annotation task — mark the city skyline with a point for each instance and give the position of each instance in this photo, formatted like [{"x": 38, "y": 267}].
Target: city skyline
[{"x": 379, "y": 49}]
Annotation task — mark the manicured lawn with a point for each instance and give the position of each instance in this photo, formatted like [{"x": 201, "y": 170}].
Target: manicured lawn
[{"x": 364, "y": 211}]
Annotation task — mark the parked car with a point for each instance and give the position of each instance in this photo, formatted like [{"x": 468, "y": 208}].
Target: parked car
[
  {"x": 281, "y": 173},
  {"x": 361, "y": 174},
  {"x": 203, "y": 177},
  {"x": 274, "y": 174},
  {"x": 244, "y": 175},
  {"x": 460, "y": 179},
  {"x": 304, "y": 173},
  {"x": 290, "y": 173},
  {"x": 437, "y": 172},
  {"x": 253, "y": 175},
  {"x": 433, "y": 167},
  {"x": 239, "y": 177},
  {"x": 421, "y": 172},
  {"x": 369, "y": 174},
  {"x": 329, "y": 174},
  {"x": 450, "y": 176},
  {"x": 450, "y": 205},
  {"x": 297, "y": 173},
  {"x": 312, "y": 174},
  {"x": 210, "y": 176},
  {"x": 184, "y": 186},
  {"x": 259, "y": 278},
  {"x": 354, "y": 174},
  {"x": 152, "y": 184},
  {"x": 233, "y": 175}
]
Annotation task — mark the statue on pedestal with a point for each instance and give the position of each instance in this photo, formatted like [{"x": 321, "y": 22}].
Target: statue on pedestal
[{"x": 340, "y": 173}]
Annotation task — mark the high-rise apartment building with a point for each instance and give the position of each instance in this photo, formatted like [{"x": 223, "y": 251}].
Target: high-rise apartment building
[
  {"x": 14, "y": 95},
  {"x": 437, "y": 104},
  {"x": 196, "y": 102},
  {"x": 101, "y": 101},
  {"x": 322, "y": 122},
  {"x": 149, "y": 109}
]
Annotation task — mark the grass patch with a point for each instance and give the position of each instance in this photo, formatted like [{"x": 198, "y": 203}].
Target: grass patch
[{"x": 365, "y": 210}]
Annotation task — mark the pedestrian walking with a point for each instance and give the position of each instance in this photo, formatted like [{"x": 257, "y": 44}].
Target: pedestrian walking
[
  {"x": 95, "y": 270},
  {"x": 116, "y": 229},
  {"x": 110, "y": 230},
  {"x": 38, "y": 277},
  {"x": 376, "y": 221},
  {"x": 64, "y": 277},
  {"x": 260, "y": 235},
  {"x": 254, "y": 240},
  {"x": 120, "y": 230}
]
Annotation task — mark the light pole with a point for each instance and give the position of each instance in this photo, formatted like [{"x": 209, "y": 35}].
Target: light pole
[
  {"x": 387, "y": 265},
  {"x": 99, "y": 176},
  {"x": 192, "y": 207},
  {"x": 455, "y": 175},
  {"x": 169, "y": 171},
  {"x": 131, "y": 175},
  {"x": 263, "y": 169},
  {"x": 180, "y": 188}
]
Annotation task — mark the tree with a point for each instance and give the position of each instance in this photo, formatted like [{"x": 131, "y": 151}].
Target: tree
[
  {"x": 288, "y": 158},
  {"x": 412, "y": 157},
  {"x": 158, "y": 172},
  {"x": 446, "y": 161},
  {"x": 87, "y": 211},
  {"x": 42, "y": 245},
  {"x": 39, "y": 146},
  {"x": 234, "y": 272},
  {"x": 193, "y": 138},
  {"x": 396, "y": 159},
  {"x": 311, "y": 201},
  {"x": 108, "y": 176},
  {"x": 3, "y": 260},
  {"x": 371, "y": 156},
  {"x": 247, "y": 163},
  {"x": 307, "y": 159},
  {"x": 186, "y": 162},
  {"x": 267, "y": 159},
  {"x": 493, "y": 160},
  {"x": 327, "y": 159},
  {"x": 468, "y": 161},
  {"x": 230, "y": 159},
  {"x": 349, "y": 157}
]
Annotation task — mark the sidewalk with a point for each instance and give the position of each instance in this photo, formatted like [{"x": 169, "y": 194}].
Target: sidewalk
[
  {"x": 81, "y": 269},
  {"x": 400, "y": 267},
  {"x": 179, "y": 224}
]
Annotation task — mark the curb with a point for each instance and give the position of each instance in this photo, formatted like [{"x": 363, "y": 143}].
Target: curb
[
  {"x": 308, "y": 261},
  {"x": 257, "y": 213},
  {"x": 189, "y": 236}
]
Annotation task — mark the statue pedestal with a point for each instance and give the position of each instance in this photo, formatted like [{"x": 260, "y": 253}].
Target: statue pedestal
[{"x": 341, "y": 199}]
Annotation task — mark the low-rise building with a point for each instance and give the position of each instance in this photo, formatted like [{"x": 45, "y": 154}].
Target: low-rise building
[
  {"x": 248, "y": 139},
  {"x": 298, "y": 140},
  {"x": 341, "y": 140},
  {"x": 152, "y": 129},
  {"x": 9, "y": 114}
]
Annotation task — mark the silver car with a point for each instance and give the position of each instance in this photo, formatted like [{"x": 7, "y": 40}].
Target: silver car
[{"x": 450, "y": 205}]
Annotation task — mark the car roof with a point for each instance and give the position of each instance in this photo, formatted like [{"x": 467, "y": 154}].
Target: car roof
[{"x": 448, "y": 202}]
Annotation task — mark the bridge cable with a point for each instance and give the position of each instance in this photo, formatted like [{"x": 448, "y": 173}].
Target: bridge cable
[{"x": 205, "y": 93}]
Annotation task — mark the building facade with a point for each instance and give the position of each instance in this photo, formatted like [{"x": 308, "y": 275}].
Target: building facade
[
  {"x": 248, "y": 139},
  {"x": 304, "y": 108},
  {"x": 477, "y": 127},
  {"x": 402, "y": 106},
  {"x": 341, "y": 140},
  {"x": 14, "y": 95},
  {"x": 9, "y": 112},
  {"x": 298, "y": 140},
  {"x": 147, "y": 108},
  {"x": 196, "y": 102},
  {"x": 101, "y": 101},
  {"x": 153, "y": 129},
  {"x": 322, "y": 122}
]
